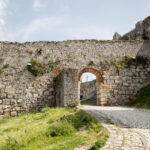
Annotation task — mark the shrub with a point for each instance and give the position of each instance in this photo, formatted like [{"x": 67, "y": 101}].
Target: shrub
[
  {"x": 61, "y": 129},
  {"x": 138, "y": 60},
  {"x": 99, "y": 144},
  {"x": 38, "y": 68},
  {"x": 79, "y": 119},
  {"x": 96, "y": 127}
]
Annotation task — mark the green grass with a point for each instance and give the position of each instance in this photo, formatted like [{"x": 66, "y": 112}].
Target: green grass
[
  {"x": 89, "y": 102},
  {"x": 142, "y": 99},
  {"x": 50, "y": 129}
]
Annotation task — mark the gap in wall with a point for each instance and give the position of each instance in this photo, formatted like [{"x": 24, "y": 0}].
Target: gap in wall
[{"x": 88, "y": 89}]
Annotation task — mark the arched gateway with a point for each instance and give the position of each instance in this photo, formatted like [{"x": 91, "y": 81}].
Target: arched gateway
[
  {"x": 99, "y": 80},
  {"x": 68, "y": 86}
]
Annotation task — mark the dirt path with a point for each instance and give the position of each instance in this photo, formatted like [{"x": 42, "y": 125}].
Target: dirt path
[{"x": 131, "y": 128}]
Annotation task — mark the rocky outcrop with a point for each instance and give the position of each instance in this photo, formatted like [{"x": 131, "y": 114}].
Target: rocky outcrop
[
  {"x": 116, "y": 36},
  {"x": 140, "y": 32}
]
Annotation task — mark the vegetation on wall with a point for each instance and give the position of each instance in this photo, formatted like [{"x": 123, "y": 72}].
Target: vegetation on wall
[
  {"x": 55, "y": 129},
  {"x": 138, "y": 60},
  {"x": 127, "y": 62},
  {"x": 39, "y": 68},
  {"x": 91, "y": 63},
  {"x": 3, "y": 67}
]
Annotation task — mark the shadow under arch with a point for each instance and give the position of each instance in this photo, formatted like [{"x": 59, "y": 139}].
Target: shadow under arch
[{"x": 99, "y": 79}]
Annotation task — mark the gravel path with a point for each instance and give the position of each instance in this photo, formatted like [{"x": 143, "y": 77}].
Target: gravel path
[{"x": 131, "y": 130}]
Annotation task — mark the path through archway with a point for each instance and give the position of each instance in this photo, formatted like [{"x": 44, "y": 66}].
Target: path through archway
[{"x": 99, "y": 80}]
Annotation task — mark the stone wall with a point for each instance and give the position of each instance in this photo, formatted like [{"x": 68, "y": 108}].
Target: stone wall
[
  {"x": 88, "y": 90},
  {"x": 20, "y": 91},
  {"x": 120, "y": 88}
]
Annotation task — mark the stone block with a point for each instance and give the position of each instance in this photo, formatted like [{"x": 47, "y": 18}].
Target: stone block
[
  {"x": 1, "y": 112},
  {"x": 13, "y": 113}
]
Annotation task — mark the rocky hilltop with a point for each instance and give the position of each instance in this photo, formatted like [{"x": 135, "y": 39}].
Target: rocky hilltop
[{"x": 140, "y": 32}]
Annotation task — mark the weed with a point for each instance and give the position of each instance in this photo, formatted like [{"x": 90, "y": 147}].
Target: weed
[{"x": 91, "y": 63}]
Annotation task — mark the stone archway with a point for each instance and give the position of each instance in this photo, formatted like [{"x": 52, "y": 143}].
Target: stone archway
[{"x": 98, "y": 73}]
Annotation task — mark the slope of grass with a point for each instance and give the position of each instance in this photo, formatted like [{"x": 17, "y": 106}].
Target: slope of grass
[
  {"x": 142, "y": 99},
  {"x": 50, "y": 129}
]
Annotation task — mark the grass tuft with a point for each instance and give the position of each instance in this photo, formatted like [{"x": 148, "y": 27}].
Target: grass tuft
[{"x": 62, "y": 128}]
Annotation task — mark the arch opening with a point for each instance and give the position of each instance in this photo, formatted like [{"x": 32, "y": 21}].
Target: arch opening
[
  {"x": 90, "y": 90},
  {"x": 88, "y": 94}
]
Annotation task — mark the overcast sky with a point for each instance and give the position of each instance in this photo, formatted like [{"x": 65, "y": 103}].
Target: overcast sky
[{"x": 32, "y": 20}]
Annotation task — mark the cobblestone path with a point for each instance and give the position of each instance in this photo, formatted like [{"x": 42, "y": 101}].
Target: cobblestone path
[{"x": 129, "y": 128}]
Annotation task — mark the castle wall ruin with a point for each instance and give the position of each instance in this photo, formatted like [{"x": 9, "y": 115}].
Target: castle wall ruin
[{"x": 20, "y": 91}]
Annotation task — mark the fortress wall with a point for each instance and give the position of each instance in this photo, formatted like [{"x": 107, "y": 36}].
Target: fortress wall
[
  {"x": 72, "y": 53},
  {"x": 20, "y": 91},
  {"x": 119, "y": 88}
]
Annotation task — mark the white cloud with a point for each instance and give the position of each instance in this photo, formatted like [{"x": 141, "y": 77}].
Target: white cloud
[
  {"x": 47, "y": 24},
  {"x": 3, "y": 6},
  {"x": 39, "y": 4},
  {"x": 58, "y": 27}
]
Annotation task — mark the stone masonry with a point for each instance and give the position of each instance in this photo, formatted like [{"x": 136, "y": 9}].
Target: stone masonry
[
  {"x": 20, "y": 91},
  {"x": 88, "y": 90}
]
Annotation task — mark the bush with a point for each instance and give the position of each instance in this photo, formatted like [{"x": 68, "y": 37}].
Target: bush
[
  {"x": 38, "y": 68},
  {"x": 99, "y": 144},
  {"x": 138, "y": 60},
  {"x": 96, "y": 127},
  {"x": 61, "y": 129},
  {"x": 79, "y": 119}
]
